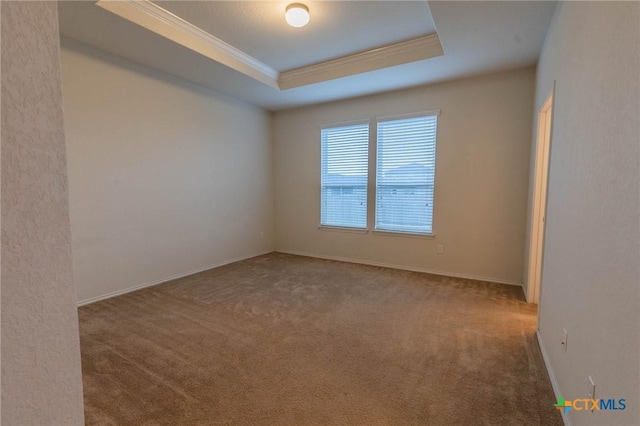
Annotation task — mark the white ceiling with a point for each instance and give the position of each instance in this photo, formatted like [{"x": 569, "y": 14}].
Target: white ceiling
[
  {"x": 336, "y": 28},
  {"x": 477, "y": 37}
]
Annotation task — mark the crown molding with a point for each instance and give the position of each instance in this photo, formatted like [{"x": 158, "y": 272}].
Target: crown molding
[
  {"x": 416, "y": 49},
  {"x": 162, "y": 22}
]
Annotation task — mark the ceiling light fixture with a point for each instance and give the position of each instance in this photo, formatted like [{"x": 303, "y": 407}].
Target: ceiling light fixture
[{"x": 297, "y": 15}]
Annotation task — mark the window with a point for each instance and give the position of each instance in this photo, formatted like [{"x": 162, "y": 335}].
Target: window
[
  {"x": 404, "y": 175},
  {"x": 405, "y": 172},
  {"x": 344, "y": 176}
]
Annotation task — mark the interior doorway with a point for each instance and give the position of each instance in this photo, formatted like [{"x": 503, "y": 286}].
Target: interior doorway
[{"x": 536, "y": 250}]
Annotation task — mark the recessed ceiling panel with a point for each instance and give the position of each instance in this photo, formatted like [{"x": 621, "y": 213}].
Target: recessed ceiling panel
[
  {"x": 336, "y": 28},
  {"x": 478, "y": 37}
]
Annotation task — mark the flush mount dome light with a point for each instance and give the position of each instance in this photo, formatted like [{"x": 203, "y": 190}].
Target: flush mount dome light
[{"x": 297, "y": 15}]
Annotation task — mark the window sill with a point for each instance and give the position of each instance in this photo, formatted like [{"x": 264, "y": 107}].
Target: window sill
[
  {"x": 343, "y": 229},
  {"x": 404, "y": 234}
]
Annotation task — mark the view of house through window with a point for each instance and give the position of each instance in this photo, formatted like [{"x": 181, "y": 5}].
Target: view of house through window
[
  {"x": 343, "y": 177},
  {"x": 405, "y": 170}
]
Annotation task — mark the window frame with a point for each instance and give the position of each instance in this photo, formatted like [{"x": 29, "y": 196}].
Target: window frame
[
  {"x": 342, "y": 228},
  {"x": 372, "y": 177},
  {"x": 392, "y": 232}
]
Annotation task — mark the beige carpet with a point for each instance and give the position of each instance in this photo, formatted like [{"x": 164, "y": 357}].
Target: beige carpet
[{"x": 284, "y": 340}]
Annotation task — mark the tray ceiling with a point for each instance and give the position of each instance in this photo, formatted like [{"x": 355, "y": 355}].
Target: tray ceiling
[{"x": 245, "y": 49}]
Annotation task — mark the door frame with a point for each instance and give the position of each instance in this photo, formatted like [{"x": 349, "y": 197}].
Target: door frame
[{"x": 540, "y": 192}]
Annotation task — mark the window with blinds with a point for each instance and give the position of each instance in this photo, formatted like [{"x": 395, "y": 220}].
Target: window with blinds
[
  {"x": 405, "y": 170},
  {"x": 343, "y": 180}
]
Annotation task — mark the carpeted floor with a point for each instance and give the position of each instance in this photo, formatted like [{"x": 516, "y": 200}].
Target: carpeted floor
[{"x": 284, "y": 340}]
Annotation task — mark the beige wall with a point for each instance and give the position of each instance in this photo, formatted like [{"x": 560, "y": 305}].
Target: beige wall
[
  {"x": 591, "y": 273},
  {"x": 482, "y": 170},
  {"x": 41, "y": 377},
  {"x": 165, "y": 177}
]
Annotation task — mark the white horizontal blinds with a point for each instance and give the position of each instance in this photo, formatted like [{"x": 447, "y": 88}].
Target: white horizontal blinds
[
  {"x": 405, "y": 174},
  {"x": 343, "y": 177}
]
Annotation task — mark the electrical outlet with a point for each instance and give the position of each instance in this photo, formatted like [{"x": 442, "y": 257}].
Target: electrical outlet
[
  {"x": 440, "y": 249},
  {"x": 261, "y": 234},
  {"x": 565, "y": 339}
]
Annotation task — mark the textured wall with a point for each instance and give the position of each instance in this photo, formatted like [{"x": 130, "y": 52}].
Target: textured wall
[
  {"x": 41, "y": 377},
  {"x": 591, "y": 273},
  {"x": 165, "y": 177},
  {"x": 482, "y": 166}
]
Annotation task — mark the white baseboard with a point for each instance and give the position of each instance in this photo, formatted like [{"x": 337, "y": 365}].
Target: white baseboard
[
  {"x": 164, "y": 280},
  {"x": 552, "y": 377},
  {"x": 402, "y": 267}
]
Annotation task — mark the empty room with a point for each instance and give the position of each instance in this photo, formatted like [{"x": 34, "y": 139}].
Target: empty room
[{"x": 320, "y": 213}]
